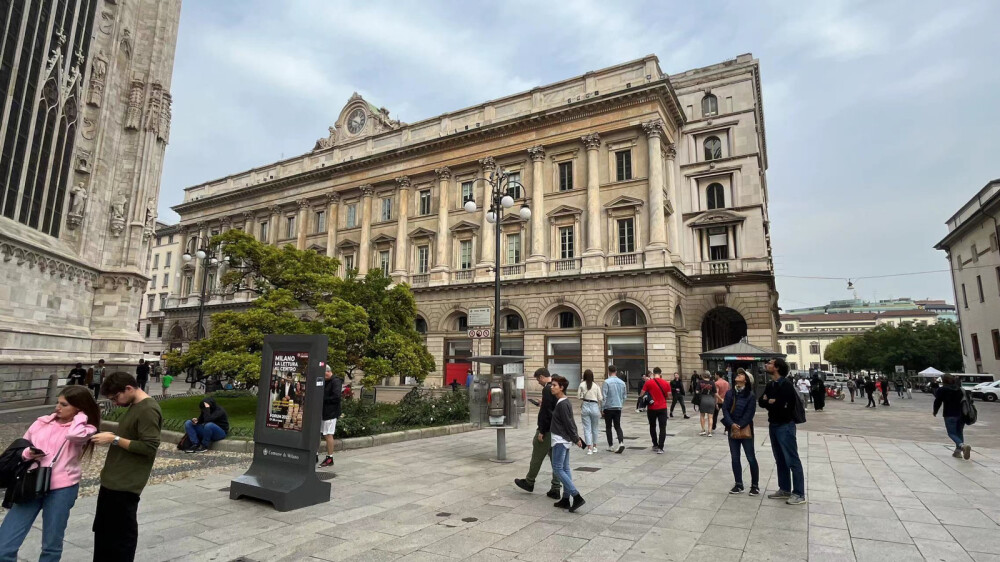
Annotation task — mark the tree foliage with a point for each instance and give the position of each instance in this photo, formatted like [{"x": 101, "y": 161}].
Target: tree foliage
[
  {"x": 915, "y": 346},
  {"x": 369, "y": 322}
]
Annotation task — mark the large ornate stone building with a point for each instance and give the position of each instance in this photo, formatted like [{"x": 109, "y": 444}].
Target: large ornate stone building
[
  {"x": 648, "y": 238},
  {"x": 84, "y": 123}
]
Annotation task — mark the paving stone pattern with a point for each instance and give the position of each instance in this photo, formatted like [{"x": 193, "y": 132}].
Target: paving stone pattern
[{"x": 870, "y": 498}]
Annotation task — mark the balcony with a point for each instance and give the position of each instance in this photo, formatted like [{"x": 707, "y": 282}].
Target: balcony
[
  {"x": 514, "y": 270},
  {"x": 625, "y": 261},
  {"x": 571, "y": 265},
  {"x": 420, "y": 280},
  {"x": 463, "y": 275},
  {"x": 721, "y": 267},
  {"x": 153, "y": 314}
]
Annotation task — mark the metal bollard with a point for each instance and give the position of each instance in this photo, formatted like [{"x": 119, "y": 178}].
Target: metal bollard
[{"x": 53, "y": 391}]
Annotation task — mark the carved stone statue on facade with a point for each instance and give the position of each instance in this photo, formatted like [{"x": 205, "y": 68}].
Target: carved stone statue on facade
[
  {"x": 97, "y": 75},
  {"x": 77, "y": 205},
  {"x": 149, "y": 225},
  {"x": 164, "y": 131},
  {"x": 118, "y": 204},
  {"x": 133, "y": 115}
]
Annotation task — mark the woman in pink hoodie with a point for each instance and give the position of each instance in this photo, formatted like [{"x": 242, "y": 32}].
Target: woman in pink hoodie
[{"x": 76, "y": 418}]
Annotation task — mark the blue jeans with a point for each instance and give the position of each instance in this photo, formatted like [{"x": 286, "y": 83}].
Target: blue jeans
[
  {"x": 734, "y": 451},
  {"x": 786, "y": 458},
  {"x": 203, "y": 433},
  {"x": 55, "y": 507},
  {"x": 955, "y": 429},
  {"x": 591, "y": 414},
  {"x": 560, "y": 467}
]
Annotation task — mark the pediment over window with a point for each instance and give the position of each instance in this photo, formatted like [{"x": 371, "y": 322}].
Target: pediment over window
[
  {"x": 465, "y": 226},
  {"x": 564, "y": 211},
  {"x": 722, "y": 216},
  {"x": 347, "y": 243},
  {"x": 624, "y": 201},
  {"x": 383, "y": 239},
  {"x": 512, "y": 218},
  {"x": 421, "y": 232}
]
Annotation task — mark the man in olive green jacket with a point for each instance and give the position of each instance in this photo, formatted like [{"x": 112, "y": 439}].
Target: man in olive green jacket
[{"x": 541, "y": 444}]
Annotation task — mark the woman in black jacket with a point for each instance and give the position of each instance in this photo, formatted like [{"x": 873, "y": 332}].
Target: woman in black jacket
[
  {"x": 950, "y": 395},
  {"x": 818, "y": 390},
  {"x": 564, "y": 436},
  {"x": 210, "y": 426},
  {"x": 333, "y": 389},
  {"x": 738, "y": 409}
]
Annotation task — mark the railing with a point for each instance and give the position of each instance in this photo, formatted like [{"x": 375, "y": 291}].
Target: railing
[
  {"x": 717, "y": 267},
  {"x": 420, "y": 280},
  {"x": 625, "y": 259},
  {"x": 511, "y": 270},
  {"x": 463, "y": 275},
  {"x": 561, "y": 266}
]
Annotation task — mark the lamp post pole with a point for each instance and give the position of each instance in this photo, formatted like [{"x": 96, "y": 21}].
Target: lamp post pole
[{"x": 209, "y": 256}]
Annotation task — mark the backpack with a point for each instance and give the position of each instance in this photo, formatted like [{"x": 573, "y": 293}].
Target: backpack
[
  {"x": 798, "y": 408},
  {"x": 969, "y": 412},
  {"x": 184, "y": 444}
]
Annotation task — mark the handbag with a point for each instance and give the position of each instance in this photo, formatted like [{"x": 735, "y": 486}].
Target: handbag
[
  {"x": 645, "y": 400},
  {"x": 33, "y": 482},
  {"x": 744, "y": 432}
]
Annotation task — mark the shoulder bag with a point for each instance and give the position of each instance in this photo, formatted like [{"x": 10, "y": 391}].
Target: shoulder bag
[
  {"x": 33, "y": 482},
  {"x": 744, "y": 432}
]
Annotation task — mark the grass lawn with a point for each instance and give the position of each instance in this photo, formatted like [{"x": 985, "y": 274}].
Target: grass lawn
[{"x": 242, "y": 412}]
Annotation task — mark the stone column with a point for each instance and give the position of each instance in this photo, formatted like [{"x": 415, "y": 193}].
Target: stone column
[
  {"x": 248, "y": 222},
  {"x": 535, "y": 264},
  {"x": 303, "y": 220},
  {"x": 439, "y": 273},
  {"x": 402, "y": 245},
  {"x": 273, "y": 224},
  {"x": 487, "y": 254},
  {"x": 178, "y": 268},
  {"x": 366, "y": 228},
  {"x": 593, "y": 256},
  {"x": 332, "y": 210},
  {"x": 656, "y": 248},
  {"x": 199, "y": 264},
  {"x": 673, "y": 220}
]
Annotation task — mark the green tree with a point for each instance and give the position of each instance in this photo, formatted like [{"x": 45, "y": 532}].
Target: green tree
[
  {"x": 370, "y": 325},
  {"x": 914, "y": 346}
]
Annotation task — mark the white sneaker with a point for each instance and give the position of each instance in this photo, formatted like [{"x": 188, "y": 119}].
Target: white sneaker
[
  {"x": 594, "y": 450},
  {"x": 621, "y": 447},
  {"x": 703, "y": 433},
  {"x": 590, "y": 451},
  {"x": 612, "y": 449}
]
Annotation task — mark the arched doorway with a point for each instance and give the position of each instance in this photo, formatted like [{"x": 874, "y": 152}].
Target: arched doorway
[{"x": 722, "y": 326}]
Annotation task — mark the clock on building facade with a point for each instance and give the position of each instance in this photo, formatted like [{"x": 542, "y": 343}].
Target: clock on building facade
[{"x": 356, "y": 121}]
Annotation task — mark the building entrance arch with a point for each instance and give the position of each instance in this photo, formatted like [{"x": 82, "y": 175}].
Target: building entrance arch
[{"x": 720, "y": 327}]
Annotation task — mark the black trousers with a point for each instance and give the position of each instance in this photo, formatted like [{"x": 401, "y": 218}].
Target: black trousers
[
  {"x": 871, "y": 399},
  {"x": 142, "y": 383},
  {"x": 657, "y": 417},
  {"x": 116, "y": 530},
  {"x": 613, "y": 418},
  {"x": 715, "y": 417},
  {"x": 677, "y": 399}
]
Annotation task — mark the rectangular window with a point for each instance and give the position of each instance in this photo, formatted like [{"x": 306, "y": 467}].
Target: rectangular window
[
  {"x": 188, "y": 279},
  {"x": 513, "y": 248},
  {"x": 152, "y": 282},
  {"x": 566, "y": 242},
  {"x": 290, "y": 231},
  {"x": 979, "y": 284},
  {"x": 423, "y": 259},
  {"x": 626, "y": 235},
  {"x": 352, "y": 215},
  {"x": 514, "y": 185},
  {"x": 159, "y": 330},
  {"x": 263, "y": 231},
  {"x": 383, "y": 261},
  {"x": 996, "y": 343},
  {"x": 166, "y": 262},
  {"x": 149, "y": 329},
  {"x": 623, "y": 165},
  {"x": 163, "y": 301},
  {"x": 385, "y": 213},
  {"x": 320, "y": 221},
  {"x": 466, "y": 191},
  {"x": 565, "y": 176},
  {"x": 210, "y": 283},
  {"x": 171, "y": 239},
  {"x": 166, "y": 278},
  {"x": 152, "y": 301},
  {"x": 718, "y": 243},
  {"x": 965, "y": 297},
  {"x": 814, "y": 348},
  {"x": 156, "y": 261},
  {"x": 349, "y": 262},
  {"x": 425, "y": 202},
  {"x": 465, "y": 254},
  {"x": 159, "y": 240},
  {"x": 975, "y": 348}
]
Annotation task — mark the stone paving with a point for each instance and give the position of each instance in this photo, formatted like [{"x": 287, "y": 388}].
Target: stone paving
[{"x": 870, "y": 498}]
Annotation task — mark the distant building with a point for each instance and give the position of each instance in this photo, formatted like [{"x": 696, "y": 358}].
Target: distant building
[
  {"x": 805, "y": 337},
  {"x": 974, "y": 258},
  {"x": 943, "y": 310},
  {"x": 164, "y": 262}
]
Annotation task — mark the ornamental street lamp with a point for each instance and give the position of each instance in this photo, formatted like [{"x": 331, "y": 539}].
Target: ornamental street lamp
[{"x": 209, "y": 255}]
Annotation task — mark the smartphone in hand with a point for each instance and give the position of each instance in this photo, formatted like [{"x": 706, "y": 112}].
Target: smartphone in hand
[
  {"x": 534, "y": 402},
  {"x": 37, "y": 451}
]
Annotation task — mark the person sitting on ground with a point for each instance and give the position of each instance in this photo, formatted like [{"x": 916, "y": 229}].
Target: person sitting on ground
[
  {"x": 76, "y": 375},
  {"x": 210, "y": 426}
]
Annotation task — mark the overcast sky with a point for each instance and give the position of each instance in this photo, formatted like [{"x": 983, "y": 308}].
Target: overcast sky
[{"x": 882, "y": 117}]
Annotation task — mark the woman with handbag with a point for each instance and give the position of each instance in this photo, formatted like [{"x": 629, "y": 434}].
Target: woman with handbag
[
  {"x": 706, "y": 404},
  {"x": 738, "y": 409},
  {"x": 58, "y": 440}
]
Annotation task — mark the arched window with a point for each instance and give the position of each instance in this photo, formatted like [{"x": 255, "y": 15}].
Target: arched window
[
  {"x": 790, "y": 349},
  {"x": 421, "y": 325},
  {"x": 462, "y": 323},
  {"x": 513, "y": 321},
  {"x": 568, "y": 319},
  {"x": 715, "y": 196},
  {"x": 713, "y": 148},
  {"x": 709, "y": 105},
  {"x": 628, "y": 316}
]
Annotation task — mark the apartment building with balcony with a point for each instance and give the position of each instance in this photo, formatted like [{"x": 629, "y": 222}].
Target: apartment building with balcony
[
  {"x": 647, "y": 243},
  {"x": 164, "y": 266}
]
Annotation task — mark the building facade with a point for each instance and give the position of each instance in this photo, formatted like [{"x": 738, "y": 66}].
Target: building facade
[
  {"x": 165, "y": 260},
  {"x": 974, "y": 259},
  {"x": 805, "y": 337},
  {"x": 648, "y": 238},
  {"x": 943, "y": 310}
]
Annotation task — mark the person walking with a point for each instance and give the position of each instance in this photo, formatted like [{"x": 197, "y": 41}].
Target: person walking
[
  {"x": 779, "y": 401},
  {"x": 908, "y": 384},
  {"x": 950, "y": 395},
  {"x": 870, "y": 388},
  {"x": 899, "y": 387},
  {"x": 168, "y": 379},
  {"x": 658, "y": 389},
  {"x": 706, "y": 405},
  {"x": 333, "y": 388},
  {"x": 817, "y": 388},
  {"x": 738, "y": 409},
  {"x": 142, "y": 374},
  {"x": 804, "y": 386},
  {"x": 590, "y": 411},
  {"x": 852, "y": 387},
  {"x": 564, "y": 435},
  {"x": 677, "y": 395},
  {"x": 541, "y": 443},
  {"x": 95, "y": 378},
  {"x": 693, "y": 389},
  {"x": 885, "y": 391},
  {"x": 721, "y": 388},
  {"x": 58, "y": 440},
  {"x": 614, "y": 391},
  {"x": 77, "y": 375},
  {"x": 127, "y": 467},
  {"x": 638, "y": 401}
]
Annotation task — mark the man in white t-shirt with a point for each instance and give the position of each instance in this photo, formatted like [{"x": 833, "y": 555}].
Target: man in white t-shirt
[{"x": 803, "y": 386}]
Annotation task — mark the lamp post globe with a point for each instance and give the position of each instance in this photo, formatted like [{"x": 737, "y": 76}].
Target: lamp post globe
[
  {"x": 200, "y": 254},
  {"x": 524, "y": 213},
  {"x": 470, "y": 206},
  {"x": 491, "y": 217},
  {"x": 507, "y": 201},
  {"x": 186, "y": 257}
]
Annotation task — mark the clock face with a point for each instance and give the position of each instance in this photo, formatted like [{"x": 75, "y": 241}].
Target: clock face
[{"x": 356, "y": 121}]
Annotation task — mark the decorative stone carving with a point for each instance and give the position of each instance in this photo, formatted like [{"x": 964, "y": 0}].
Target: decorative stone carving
[
  {"x": 82, "y": 162},
  {"x": 488, "y": 164},
  {"x": 77, "y": 205},
  {"x": 443, "y": 173},
  {"x": 10, "y": 251},
  {"x": 133, "y": 115},
  {"x": 591, "y": 141},
  {"x": 165, "y": 115},
  {"x": 333, "y": 198},
  {"x": 537, "y": 153},
  {"x": 303, "y": 203},
  {"x": 126, "y": 43},
  {"x": 152, "y": 117},
  {"x": 149, "y": 224},
  {"x": 98, "y": 72},
  {"x": 403, "y": 182},
  {"x": 670, "y": 150},
  {"x": 89, "y": 128},
  {"x": 248, "y": 216},
  {"x": 118, "y": 205},
  {"x": 107, "y": 22},
  {"x": 653, "y": 128},
  {"x": 367, "y": 190}
]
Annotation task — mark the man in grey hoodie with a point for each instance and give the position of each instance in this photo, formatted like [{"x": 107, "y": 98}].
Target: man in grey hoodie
[{"x": 614, "y": 397}]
